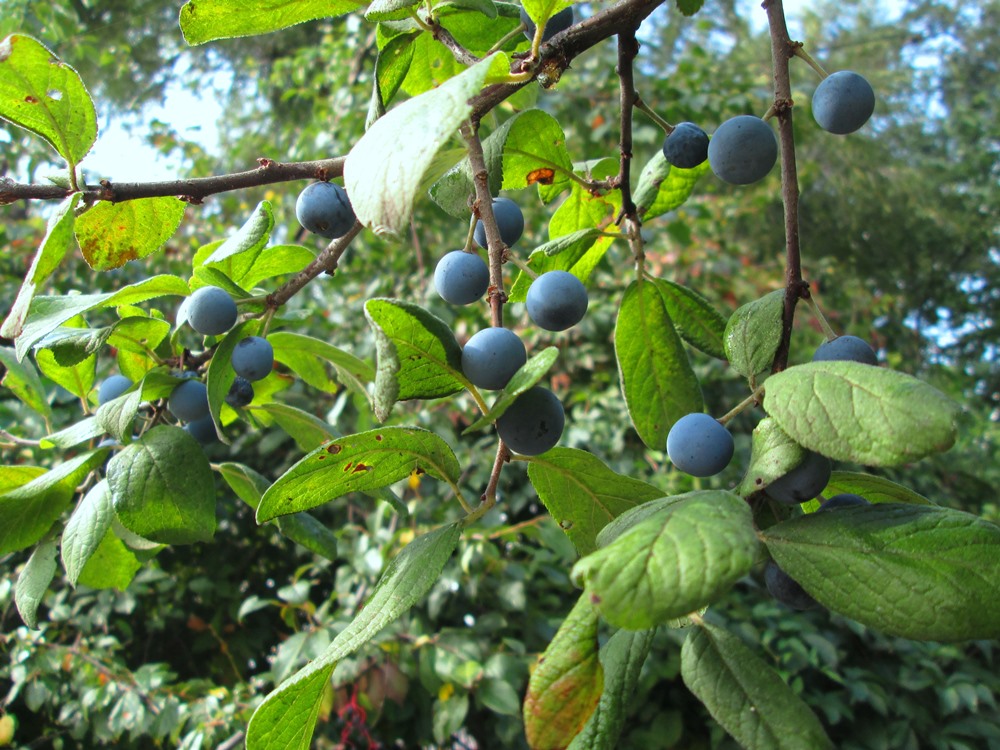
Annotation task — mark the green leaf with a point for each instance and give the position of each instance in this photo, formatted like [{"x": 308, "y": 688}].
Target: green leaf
[
  {"x": 206, "y": 20},
  {"x": 287, "y": 716},
  {"x": 384, "y": 169},
  {"x": 622, "y": 658},
  {"x": 112, "y": 234},
  {"x": 542, "y": 10},
  {"x": 772, "y": 455},
  {"x": 389, "y": 10},
  {"x": 418, "y": 356},
  {"x": 849, "y": 411},
  {"x": 302, "y": 528},
  {"x": 112, "y": 566},
  {"x": 291, "y": 348},
  {"x": 871, "y": 488},
  {"x": 34, "y": 580},
  {"x": 238, "y": 254},
  {"x": 42, "y": 94},
  {"x": 582, "y": 494},
  {"x": 48, "y": 313},
  {"x": 527, "y": 376},
  {"x": 74, "y": 435},
  {"x": 78, "y": 378},
  {"x": 746, "y": 695},
  {"x": 674, "y": 561},
  {"x": 357, "y": 463},
  {"x": 306, "y": 430},
  {"x": 55, "y": 245},
  {"x": 916, "y": 571},
  {"x": 277, "y": 260},
  {"x": 162, "y": 487},
  {"x": 28, "y": 511},
  {"x": 698, "y": 323},
  {"x": 567, "y": 682},
  {"x": 656, "y": 377},
  {"x": 663, "y": 188},
  {"x": 753, "y": 334},
  {"x": 85, "y": 529},
  {"x": 391, "y": 67},
  {"x": 23, "y": 381},
  {"x": 534, "y": 153},
  {"x": 689, "y": 7}
]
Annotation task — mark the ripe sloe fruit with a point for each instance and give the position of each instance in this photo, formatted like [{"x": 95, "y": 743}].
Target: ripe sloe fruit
[
  {"x": 849, "y": 348},
  {"x": 112, "y": 388},
  {"x": 324, "y": 209},
  {"x": 492, "y": 356},
  {"x": 786, "y": 589},
  {"x": 189, "y": 401},
  {"x": 240, "y": 393},
  {"x": 699, "y": 445},
  {"x": 743, "y": 150},
  {"x": 510, "y": 222},
  {"x": 686, "y": 147},
  {"x": 802, "y": 483},
  {"x": 556, "y": 300},
  {"x": 253, "y": 358},
  {"x": 461, "y": 278},
  {"x": 203, "y": 430},
  {"x": 534, "y": 422},
  {"x": 843, "y": 102},
  {"x": 844, "y": 500},
  {"x": 559, "y": 22},
  {"x": 211, "y": 311}
]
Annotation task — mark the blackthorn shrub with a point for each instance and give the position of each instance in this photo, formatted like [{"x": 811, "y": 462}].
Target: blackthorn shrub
[
  {"x": 686, "y": 147},
  {"x": 559, "y": 22},
  {"x": 240, "y": 393},
  {"x": 786, "y": 589},
  {"x": 492, "y": 356},
  {"x": 802, "y": 483},
  {"x": 461, "y": 278},
  {"x": 211, "y": 311},
  {"x": 699, "y": 445},
  {"x": 743, "y": 150},
  {"x": 189, "y": 401},
  {"x": 253, "y": 358},
  {"x": 849, "y": 348},
  {"x": 112, "y": 388},
  {"x": 557, "y": 300},
  {"x": 510, "y": 222},
  {"x": 843, "y": 102},
  {"x": 324, "y": 209},
  {"x": 534, "y": 422}
]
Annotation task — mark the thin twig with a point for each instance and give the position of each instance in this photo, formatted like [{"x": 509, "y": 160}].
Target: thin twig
[
  {"x": 795, "y": 288},
  {"x": 441, "y": 34},
  {"x": 628, "y": 48},
  {"x": 325, "y": 261},
  {"x": 484, "y": 207}
]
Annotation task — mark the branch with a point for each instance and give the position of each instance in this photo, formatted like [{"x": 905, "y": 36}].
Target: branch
[
  {"x": 192, "y": 190},
  {"x": 782, "y": 50},
  {"x": 628, "y": 48},
  {"x": 441, "y": 34},
  {"x": 325, "y": 261},
  {"x": 484, "y": 208}
]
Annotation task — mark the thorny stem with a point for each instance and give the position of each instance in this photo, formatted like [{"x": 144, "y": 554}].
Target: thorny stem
[
  {"x": 489, "y": 498},
  {"x": 484, "y": 207},
  {"x": 639, "y": 104},
  {"x": 193, "y": 190},
  {"x": 795, "y": 288},
  {"x": 325, "y": 261},
  {"x": 628, "y": 48}
]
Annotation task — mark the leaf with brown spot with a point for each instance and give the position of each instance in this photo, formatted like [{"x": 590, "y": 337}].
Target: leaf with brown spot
[
  {"x": 567, "y": 683},
  {"x": 543, "y": 176},
  {"x": 111, "y": 234},
  {"x": 364, "y": 462}
]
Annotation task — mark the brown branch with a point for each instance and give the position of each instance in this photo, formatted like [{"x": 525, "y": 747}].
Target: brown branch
[
  {"x": 193, "y": 190},
  {"x": 441, "y": 34},
  {"x": 484, "y": 207},
  {"x": 628, "y": 48},
  {"x": 325, "y": 261},
  {"x": 782, "y": 50}
]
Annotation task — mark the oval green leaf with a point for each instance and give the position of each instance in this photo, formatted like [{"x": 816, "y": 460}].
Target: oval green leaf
[
  {"x": 753, "y": 334},
  {"x": 33, "y": 581},
  {"x": 112, "y": 234},
  {"x": 529, "y": 373},
  {"x": 746, "y": 695},
  {"x": 849, "y": 411},
  {"x": 206, "y": 20},
  {"x": 916, "y": 571},
  {"x": 698, "y": 323},
  {"x": 772, "y": 455},
  {"x": 673, "y": 562}
]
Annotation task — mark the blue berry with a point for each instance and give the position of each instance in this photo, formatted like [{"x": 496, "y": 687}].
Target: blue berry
[
  {"x": 849, "y": 348},
  {"x": 556, "y": 300},
  {"x": 461, "y": 278},
  {"x": 534, "y": 422},
  {"x": 844, "y": 500},
  {"x": 510, "y": 222},
  {"x": 202, "y": 430},
  {"x": 189, "y": 401},
  {"x": 802, "y": 483},
  {"x": 492, "y": 356},
  {"x": 686, "y": 147},
  {"x": 253, "y": 358},
  {"x": 559, "y": 22},
  {"x": 240, "y": 393},
  {"x": 211, "y": 311},
  {"x": 743, "y": 150},
  {"x": 843, "y": 102},
  {"x": 699, "y": 445},
  {"x": 112, "y": 388},
  {"x": 324, "y": 209},
  {"x": 786, "y": 589}
]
